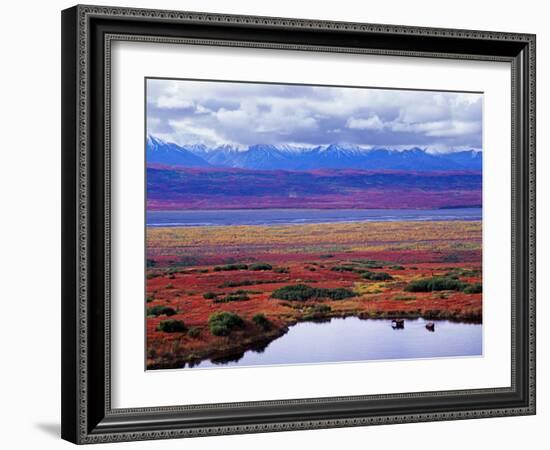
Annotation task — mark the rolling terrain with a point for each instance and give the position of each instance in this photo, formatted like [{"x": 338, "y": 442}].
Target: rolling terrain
[{"x": 199, "y": 188}]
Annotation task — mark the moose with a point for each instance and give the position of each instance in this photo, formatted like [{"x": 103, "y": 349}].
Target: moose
[{"x": 398, "y": 324}]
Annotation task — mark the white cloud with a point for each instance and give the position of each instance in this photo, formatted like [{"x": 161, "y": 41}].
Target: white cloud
[
  {"x": 249, "y": 113},
  {"x": 372, "y": 123},
  {"x": 173, "y": 102}
]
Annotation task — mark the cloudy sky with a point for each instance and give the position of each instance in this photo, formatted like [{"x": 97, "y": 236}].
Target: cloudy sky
[{"x": 242, "y": 114}]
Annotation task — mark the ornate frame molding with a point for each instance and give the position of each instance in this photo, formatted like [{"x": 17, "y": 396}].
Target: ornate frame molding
[{"x": 80, "y": 423}]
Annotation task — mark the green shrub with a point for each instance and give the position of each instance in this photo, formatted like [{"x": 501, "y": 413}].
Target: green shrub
[
  {"x": 261, "y": 320},
  {"x": 281, "y": 270},
  {"x": 336, "y": 294},
  {"x": 239, "y": 296},
  {"x": 194, "y": 332},
  {"x": 474, "y": 288},
  {"x": 326, "y": 256},
  {"x": 227, "y": 267},
  {"x": 209, "y": 295},
  {"x": 172, "y": 326},
  {"x": 321, "y": 309},
  {"x": 343, "y": 268},
  {"x": 260, "y": 266},
  {"x": 434, "y": 284},
  {"x": 397, "y": 267},
  {"x": 222, "y": 323},
  {"x": 160, "y": 310},
  {"x": 232, "y": 283},
  {"x": 370, "y": 263},
  {"x": 151, "y": 262},
  {"x": 303, "y": 292},
  {"x": 300, "y": 292},
  {"x": 237, "y": 283},
  {"x": 149, "y": 298},
  {"x": 376, "y": 276}
]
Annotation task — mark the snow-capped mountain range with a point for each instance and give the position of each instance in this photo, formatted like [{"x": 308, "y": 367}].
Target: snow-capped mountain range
[{"x": 289, "y": 157}]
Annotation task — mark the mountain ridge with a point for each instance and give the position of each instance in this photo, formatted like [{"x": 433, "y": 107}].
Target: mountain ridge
[{"x": 293, "y": 157}]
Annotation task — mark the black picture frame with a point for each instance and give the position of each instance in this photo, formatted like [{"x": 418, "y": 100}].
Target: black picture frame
[{"x": 87, "y": 415}]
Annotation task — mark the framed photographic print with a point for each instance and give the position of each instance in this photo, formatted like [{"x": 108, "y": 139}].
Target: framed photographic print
[{"x": 281, "y": 224}]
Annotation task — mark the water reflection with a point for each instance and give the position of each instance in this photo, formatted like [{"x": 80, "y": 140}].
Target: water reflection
[{"x": 353, "y": 339}]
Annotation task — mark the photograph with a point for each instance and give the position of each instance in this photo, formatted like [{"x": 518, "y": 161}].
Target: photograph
[{"x": 291, "y": 224}]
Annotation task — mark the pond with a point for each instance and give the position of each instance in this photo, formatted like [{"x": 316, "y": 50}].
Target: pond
[{"x": 353, "y": 339}]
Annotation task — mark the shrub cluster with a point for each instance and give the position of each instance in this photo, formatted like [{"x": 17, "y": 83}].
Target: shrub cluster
[
  {"x": 239, "y": 296},
  {"x": 370, "y": 263},
  {"x": 172, "y": 326},
  {"x": 260, "y": 266},
  {"x": 160, "y": 310},
  {"x": 261, "y": 320},
  {"x": 227, "y": 267},
  {"x": 344, "y": 268},
  {"x": 443, "y": 284},
  {"x": 194, "y": 332},
  {"x": 236, "y": 283},
  {"x": 376, "y": 276},
  {"x": 321, "y": 309},
  {"x": 474, "y": 288},
  {"x": 434, "y": 284},
  {"x": 209, "y": 295},
  {"x": 303, "y": 292},
  {"x": 222, "y": 323}
]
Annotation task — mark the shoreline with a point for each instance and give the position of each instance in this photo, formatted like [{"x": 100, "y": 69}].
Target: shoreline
[{"x": 236, "y": 350}]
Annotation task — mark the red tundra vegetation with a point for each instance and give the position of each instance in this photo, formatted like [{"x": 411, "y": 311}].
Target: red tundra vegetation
[{"x": 215, "y": 292}]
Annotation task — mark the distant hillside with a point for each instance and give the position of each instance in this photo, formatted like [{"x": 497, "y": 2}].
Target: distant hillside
[
  {"x": 284, "y": 157},
  {"x": 179, "y": 188}
]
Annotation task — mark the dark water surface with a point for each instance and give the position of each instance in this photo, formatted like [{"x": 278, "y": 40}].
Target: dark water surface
[
  {"x": 195, "y": 218},
  {"x": 353, "y": 339}
]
